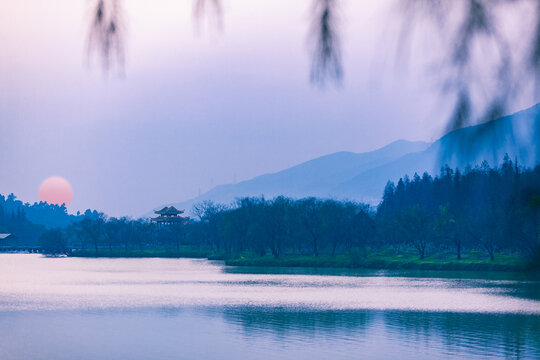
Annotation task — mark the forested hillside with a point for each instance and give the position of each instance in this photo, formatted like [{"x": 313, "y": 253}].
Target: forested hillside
[
  {"x": 485, "y": 211},
  {"x": 28, "y": 221},
  {"x": 488, "y": 212}
]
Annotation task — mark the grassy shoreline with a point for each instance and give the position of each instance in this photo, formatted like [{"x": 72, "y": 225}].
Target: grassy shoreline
[
  {"x": 384, "y": 263},
  {"x": 474, "y": 262}
]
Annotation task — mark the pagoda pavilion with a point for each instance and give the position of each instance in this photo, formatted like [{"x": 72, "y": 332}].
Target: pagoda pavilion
[{"x": 169, "y": 215}]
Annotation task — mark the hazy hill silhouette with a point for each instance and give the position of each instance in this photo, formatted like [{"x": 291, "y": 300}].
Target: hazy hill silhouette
[{"x": 362, "y": 177}]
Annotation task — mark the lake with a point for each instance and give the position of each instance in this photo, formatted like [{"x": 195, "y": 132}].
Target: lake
[{"x": 80, "y": 308}]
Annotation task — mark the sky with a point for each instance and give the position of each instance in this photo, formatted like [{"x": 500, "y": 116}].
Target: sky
[{"x": 195, "y": 106}]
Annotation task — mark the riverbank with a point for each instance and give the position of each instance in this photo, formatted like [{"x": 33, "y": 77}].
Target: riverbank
[
  {"x": 397, "y": 262},
  {"x": 470, "y": 262},
  {"x": 146, "y": 253}
]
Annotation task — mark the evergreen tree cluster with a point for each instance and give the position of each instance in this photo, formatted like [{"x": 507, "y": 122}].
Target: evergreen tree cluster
[{"x": 495, "y": 209}]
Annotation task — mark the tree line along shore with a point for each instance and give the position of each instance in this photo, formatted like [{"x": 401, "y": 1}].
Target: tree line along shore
[{"x": 480, "y": 219}]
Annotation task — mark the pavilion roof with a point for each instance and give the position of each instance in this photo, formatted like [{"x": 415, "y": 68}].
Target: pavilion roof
[{"x": 171, "y": 210}]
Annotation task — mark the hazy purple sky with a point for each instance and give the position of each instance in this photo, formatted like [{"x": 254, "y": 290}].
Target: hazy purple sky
[{"x": 195, "y": 108}]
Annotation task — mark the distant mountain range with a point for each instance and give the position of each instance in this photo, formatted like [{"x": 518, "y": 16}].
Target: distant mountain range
[{"x": 362, "y": 177}]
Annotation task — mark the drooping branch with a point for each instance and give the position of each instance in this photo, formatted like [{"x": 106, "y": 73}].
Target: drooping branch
[
  {"x": 326, "y": 58},
  {"x": 210, "y": 9},
  {"x": 106, "y": 35}
]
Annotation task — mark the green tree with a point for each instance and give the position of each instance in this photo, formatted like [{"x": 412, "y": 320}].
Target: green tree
[{"x": 53, "y": 242}]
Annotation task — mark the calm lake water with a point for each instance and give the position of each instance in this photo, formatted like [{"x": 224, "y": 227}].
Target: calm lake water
[{"x": 70, "y": 308}]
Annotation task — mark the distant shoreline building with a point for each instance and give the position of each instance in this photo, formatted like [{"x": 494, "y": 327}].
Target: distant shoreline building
[
  {"x": 6, "y": 239},
  {"x": 9, "y": 242},
  {"x": 169, "y": 216}
]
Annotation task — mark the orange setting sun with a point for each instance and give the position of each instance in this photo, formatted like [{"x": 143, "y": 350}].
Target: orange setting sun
[{"x": 55, "y": 190}]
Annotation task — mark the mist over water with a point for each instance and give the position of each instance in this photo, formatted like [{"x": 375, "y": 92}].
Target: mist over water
[{"x": 142, "y": 308}]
